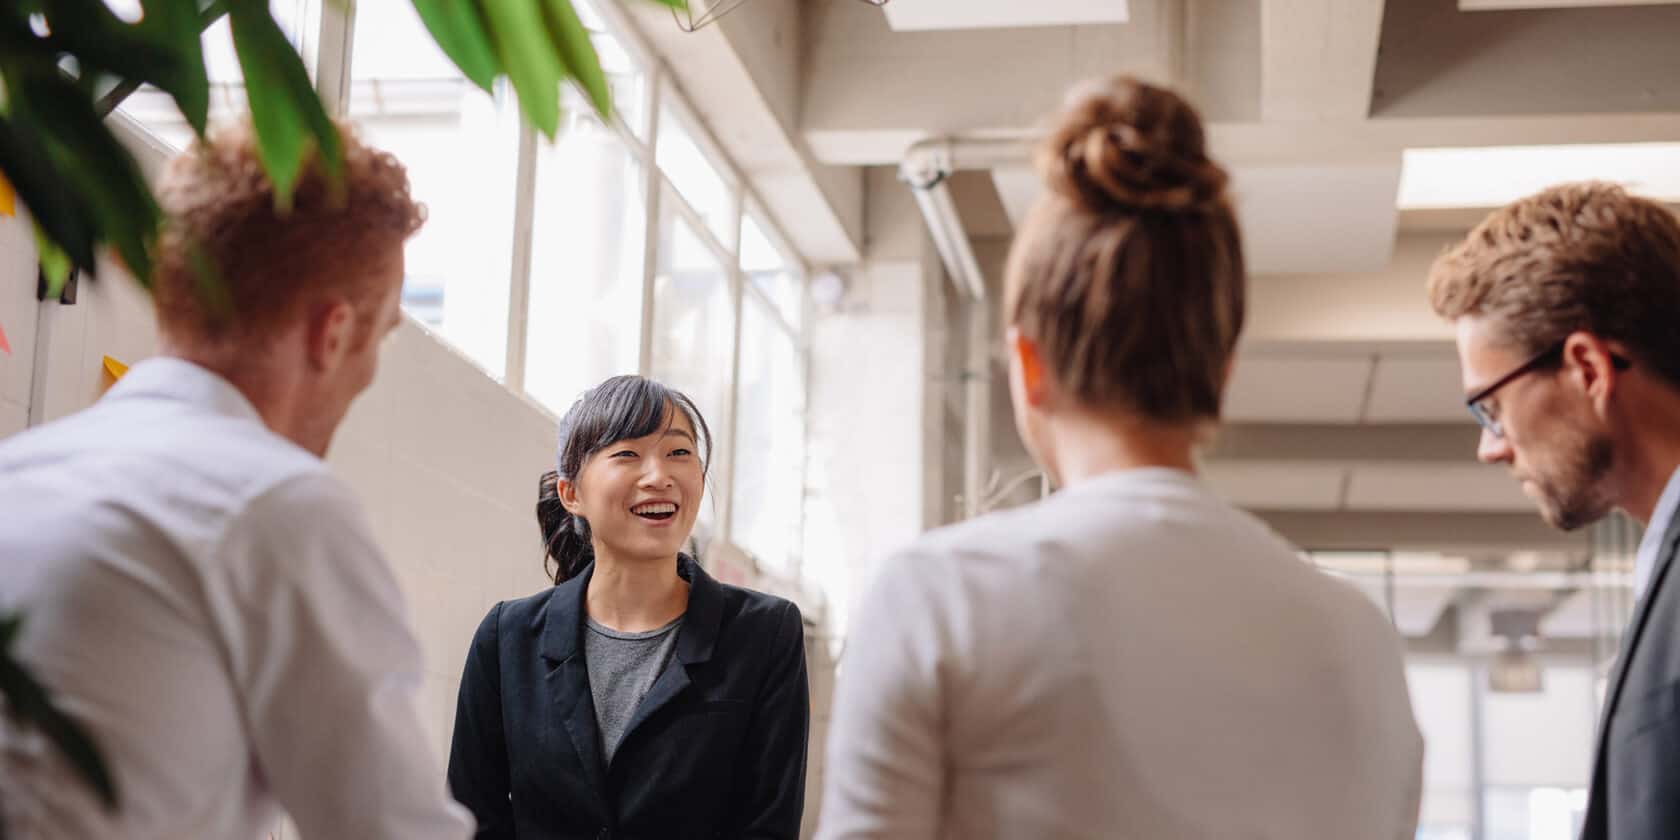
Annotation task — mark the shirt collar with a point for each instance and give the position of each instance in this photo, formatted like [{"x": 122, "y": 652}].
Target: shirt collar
[
  {"x": 178, "y": 380},
  {"x": 560, "y": 623},
  {"x": 1645, "y": 561}
]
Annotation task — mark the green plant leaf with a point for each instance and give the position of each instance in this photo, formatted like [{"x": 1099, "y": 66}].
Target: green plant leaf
[
  {"x": 285, "y": 109},
  {"x": 679, "y": 5},
  {"x": 163, "y": 49},
  {"x": 459, "y": 30},
  {"x": 56, "y": 212},
  {"x": 31, "y": 705},
  {"x": 179, "y": 26},
  {"x": 55, "y": 264},
  {"x": 98, "y": 39},
  {"x": 521, "y": 39},
  {"x": 577, "y": 53},
  {"x": 87, "y": 159}
]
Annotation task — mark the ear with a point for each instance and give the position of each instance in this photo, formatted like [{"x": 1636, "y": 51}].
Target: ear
[
  {"x": 1024, "y": 352},
  {"x": 1589, "y": 363},
  {"x": 332, "y": 332},
  {"x": 566, "y": 489}
]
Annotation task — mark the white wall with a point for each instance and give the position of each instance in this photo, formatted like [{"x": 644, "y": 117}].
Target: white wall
[
  {"x": 869, "y": 395},
  {"x": 17, "y": 320}
]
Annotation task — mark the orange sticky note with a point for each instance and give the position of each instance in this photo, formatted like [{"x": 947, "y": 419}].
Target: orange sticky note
[{"x": 8, "y": 207}]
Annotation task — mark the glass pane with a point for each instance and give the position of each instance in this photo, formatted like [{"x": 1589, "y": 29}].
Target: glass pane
[
  {"x": 461, "y": 149},
  {"x": 1441, "y": 698},
  {"x": 694, "y": 333},
  {"x": 624, "y": 72},
  {"x": 693, "y": 174},
  {"x": 771, "y": 272},
  {"x": 770, "y": 455},
  {"x": 585, "y": 318},
  {"x": 155, "y": 110},
  {"x": 1542, "y": 738},
  {"x": 1540, "y": 813}
]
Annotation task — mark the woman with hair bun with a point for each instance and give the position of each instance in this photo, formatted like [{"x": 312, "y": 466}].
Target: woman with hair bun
[
  {"x": 1132, "y": 657},
  {"x": 637, "y": 697}
]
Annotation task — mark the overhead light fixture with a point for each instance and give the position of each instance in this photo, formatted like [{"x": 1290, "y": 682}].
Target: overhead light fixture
[
  {"x": 687, "y": 21},
  {"x": 1492, "y": 176}
]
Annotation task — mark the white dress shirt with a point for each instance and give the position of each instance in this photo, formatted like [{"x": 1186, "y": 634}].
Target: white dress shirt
[
  {"x": 1130, "y": 658},
  {"x": 209, "y": 601},
  {"x": 1645, "y": 561}
]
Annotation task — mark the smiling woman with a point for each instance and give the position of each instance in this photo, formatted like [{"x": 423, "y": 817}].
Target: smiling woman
[
  {"x": 625, "y": 433},
  {"x": 618, "y": 702}
]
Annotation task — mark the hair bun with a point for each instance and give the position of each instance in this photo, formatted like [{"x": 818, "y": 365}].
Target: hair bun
[{"x": 1122, "y": 145}]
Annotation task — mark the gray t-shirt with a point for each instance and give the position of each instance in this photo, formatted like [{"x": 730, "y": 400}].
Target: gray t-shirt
[{"x": 622, "y": 667}]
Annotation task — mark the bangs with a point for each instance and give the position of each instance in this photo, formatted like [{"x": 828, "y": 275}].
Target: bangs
[{"x": 625, "y": 408}]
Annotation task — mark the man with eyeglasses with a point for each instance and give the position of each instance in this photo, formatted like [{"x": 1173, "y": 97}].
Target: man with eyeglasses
[{"x": 1567, "y": 309}]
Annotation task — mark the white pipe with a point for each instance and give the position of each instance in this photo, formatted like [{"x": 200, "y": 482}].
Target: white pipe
[
  {"x": 977, "y": 409},
  {"x": 925, "y": 168}
]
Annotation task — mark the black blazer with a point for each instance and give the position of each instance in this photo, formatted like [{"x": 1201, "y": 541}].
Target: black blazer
[
  {"x": 1635, "y": 791},
  {"x": 716, "y": 749}
]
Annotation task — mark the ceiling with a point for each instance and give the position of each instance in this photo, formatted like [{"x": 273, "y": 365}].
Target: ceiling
[{"x": 1363, "y": 138}]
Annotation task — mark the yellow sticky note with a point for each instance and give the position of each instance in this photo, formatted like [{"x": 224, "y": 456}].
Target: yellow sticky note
[
  {"x": 8, "y": 198},
  {"x": 115, "y": 368}
]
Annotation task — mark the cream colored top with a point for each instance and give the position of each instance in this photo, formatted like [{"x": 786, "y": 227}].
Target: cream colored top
[{"x": 1130, "y": 658}]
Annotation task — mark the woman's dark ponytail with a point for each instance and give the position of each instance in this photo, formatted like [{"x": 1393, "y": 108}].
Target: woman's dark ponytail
[{"x": 566, "y": 545}]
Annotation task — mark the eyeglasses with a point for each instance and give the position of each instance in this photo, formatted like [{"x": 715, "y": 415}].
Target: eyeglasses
[{"x": 1485, "y": 413}]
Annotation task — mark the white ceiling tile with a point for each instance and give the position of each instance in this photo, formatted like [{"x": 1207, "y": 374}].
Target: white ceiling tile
[
  {"x": 1578, "y": 618},
  {"x": 1416, "y": 391},
  {"x": 1307, "y": 219},
  {"x": 1297, "y": 390},
  {"x": 1276, "y": 485},
  {"x": 1416, "y": 608},
  {"x": 1018, "y": 187},
  {"x": 1470, "y": 488}
]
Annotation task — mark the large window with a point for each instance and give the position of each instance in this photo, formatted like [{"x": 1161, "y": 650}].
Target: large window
[
  {"x": 155, "y": 110},
  {"x": 694, "y": 334},
  {"x": 1530, "y": 752},
  {"x": 766, "y": 518},
  {"x": 586, "y": 262},
  {"x": 694, "y": 174},
  {"x": 771, "y": 271},
  {"x": 623, "y": 69},
  {"x": 537, "y": 260},
  {"x": 461, "y": 150}
]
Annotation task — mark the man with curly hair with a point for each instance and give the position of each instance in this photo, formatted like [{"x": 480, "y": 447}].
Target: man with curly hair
[
  {"x": 1567, "y": 307},
  {"x": 203, "y": 595}
]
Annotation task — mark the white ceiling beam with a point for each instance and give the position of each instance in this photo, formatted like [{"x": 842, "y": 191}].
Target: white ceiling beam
[
  {"x": 1318, "y": 58},
  {"x": 1402, "y": 531},
  {"x": 1508, "y": 5}
]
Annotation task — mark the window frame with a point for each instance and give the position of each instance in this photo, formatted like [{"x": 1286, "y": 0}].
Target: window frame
[{"x": 325, "y": 42}]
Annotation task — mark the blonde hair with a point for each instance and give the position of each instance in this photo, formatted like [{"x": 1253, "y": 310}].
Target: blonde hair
[
  {"x": 1128, "y": 274},
  {"x": 230, "y": 265},
  {"x": 1583, "y": 256}
]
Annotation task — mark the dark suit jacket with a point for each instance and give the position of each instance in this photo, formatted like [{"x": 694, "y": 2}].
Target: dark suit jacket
[
  {"x": 1636, "y": 779},
  {"x": 716, "y": 749}
]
